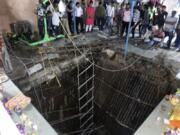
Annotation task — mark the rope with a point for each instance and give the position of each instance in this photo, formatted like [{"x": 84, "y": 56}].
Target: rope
[{"x": 54, "y": 72}]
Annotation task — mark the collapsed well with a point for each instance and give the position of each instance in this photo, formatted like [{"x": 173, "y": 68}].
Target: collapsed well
[{"x": 124, "y": 95}]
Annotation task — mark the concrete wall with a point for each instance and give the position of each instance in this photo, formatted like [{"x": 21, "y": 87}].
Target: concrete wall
[{"x": 14, "y": 10}]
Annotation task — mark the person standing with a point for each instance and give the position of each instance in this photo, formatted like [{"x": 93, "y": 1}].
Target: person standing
[
  {"x": 49, "y": 23},
  {"x": 83, "y": 6},
  {"x": 120, "y": 14},
  {"x": 79, "y": 17},
  {"x": 100, "y": 14},
  {"x": 169, "y": 28},
  {"x": 135, "y": 21},
  {"x": 164, "y": 12},
  {"x": 160, "y": 19},
  {"x": 110, "y": 10},
  {"x": 126, "y": 20},
  {"x": 145, "y": 21},
  {"x": 90, "y": 12},
  {"x": 69, "y": 10},
  {"x": 40, "y": 13},
  {"x": 64, "y": 19},
  {"x": 56, "y": 21}
]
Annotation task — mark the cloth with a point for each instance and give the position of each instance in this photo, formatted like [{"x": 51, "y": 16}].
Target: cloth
[
  {"x": 69, "y": 10},
  {"x": 151, "y": 13},
  {"x": 79, "y": 20},
  {"x": 120, "y": 13},
  {"x": 100, "y": 22},
  {"x": 70, "y": 16},
  {"x": 109, "y": 21},
  {"x": 49, "y": 25},
  {"x": 88, "y": 28},
  {"x": 90, "y": 11},
  {"x": 136, "y": 16},
  {"x": 127, "y": 16},
  {"x": 170, "y": 35},
  {"x": 170, "y": 24},
  {"x": 177, "y": 43},
  {"x": 124, "y": 27},
  {"x": 154, "y": 1},
  {"x": 146, "y": 18},
  {"x": 56, "y": 18},
  {"x": 143, "y": 29},
  {"x": 62, "y": 7},
  {"x": 66, "y": 25},
  {"x": 110, "y": 11},
  {"x": 78, "y": 12},
  {"x": 157, "y": 33},
  {"x": 134, "y": 26},
  {"x": 50, "y": 8},
  {"x": 160, "y": 19},
  {"x": 40, "y": 10},
  {"x": 100, "y": 11},
  {"x": 41, "y": 26},
  {"x": 142, "y": 14}
]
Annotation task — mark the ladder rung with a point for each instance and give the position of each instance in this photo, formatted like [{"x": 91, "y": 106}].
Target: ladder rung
[
  {"x": 85, "y": 70},
  {"x": 86, "y": 82},
  {"x": 91, "y": 99},
  {"x": 90, "y": 125},
  {"x": 88, "y": 129},
  {"x": 86, "y": 113},
  {"x": 82, "y": 125},
  {"x": 86, "y": 93}
]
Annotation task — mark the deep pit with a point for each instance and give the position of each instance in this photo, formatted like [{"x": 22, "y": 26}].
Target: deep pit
[{"x": 125, "y": 93}]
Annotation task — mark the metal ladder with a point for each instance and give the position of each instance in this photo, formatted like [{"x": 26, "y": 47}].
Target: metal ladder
[{"x": 86, "y": 97}]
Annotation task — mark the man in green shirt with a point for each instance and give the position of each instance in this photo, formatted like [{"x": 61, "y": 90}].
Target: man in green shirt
[{"x": 100, "y": 16}]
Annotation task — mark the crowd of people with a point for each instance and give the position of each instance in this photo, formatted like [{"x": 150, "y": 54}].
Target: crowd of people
[{"x": 149, "y": 21}]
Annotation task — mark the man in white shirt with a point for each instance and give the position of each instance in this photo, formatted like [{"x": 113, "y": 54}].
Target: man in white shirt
[
  {"x": 64, "y": 18},
  {"x": 169, "y": 28},
  {"x": 110, "y": 11},
  {"x": 56, "y": 15},
  {"x": 79, "y": 17}
]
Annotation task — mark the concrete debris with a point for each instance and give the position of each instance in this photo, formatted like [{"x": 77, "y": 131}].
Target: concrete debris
[
  {"x": 102, "y": 36},
  {"x": 53, "y": 56},
  {"x": 110, "y": 53},
  {"x": 34, "y": 69}
]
